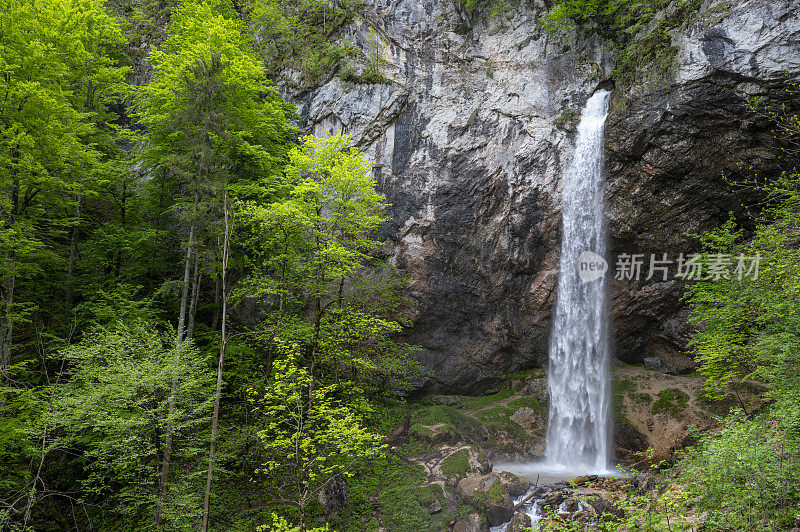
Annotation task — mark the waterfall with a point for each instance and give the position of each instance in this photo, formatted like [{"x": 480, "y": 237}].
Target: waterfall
[{"x": 578, "y": 431}]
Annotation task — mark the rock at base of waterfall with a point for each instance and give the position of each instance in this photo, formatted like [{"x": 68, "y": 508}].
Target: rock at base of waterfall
[
  {"x": 605, "y": 508},
  {"x": 520, "y": 520},
  {"x": 488, "y": 493},
  {"x": 472, "y": 523},
  {"x": 627, "y": 440},
  {"x": 456, "y": 463},
  {"x": 526, "y": 418},
  {"x": 515, "y": 485}
]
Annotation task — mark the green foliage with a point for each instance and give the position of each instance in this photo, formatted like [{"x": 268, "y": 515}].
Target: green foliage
[
  {"x": 301, "y": 36},
  {"x": 111, "y": 407},
  {"x": 480, "y": 9},
  {"x": 744, "y": 476},
  {"x": 60, "y": 80},
  {"x": 367, "y": 66},
  {"x": 527, "y": 401},
  {"x": 101, "y": 211},
  {"x": 749, "y": 329},
  {"x": 751, "y": 325},
  {"x": 313, "y": 250},
  {"x": 671, "y": 401},
  {"x": 474, "y": 403},
  {"x": 313, "y": 431},
  {"x": 210, "y": 106},
  {"x": 457, "y": 464}
]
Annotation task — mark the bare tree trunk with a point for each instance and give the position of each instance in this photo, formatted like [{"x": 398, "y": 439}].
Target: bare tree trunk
[
  {"x": 7, "y": 324},
  {"x": 223, "y": 342},
  {"x": 196, "y": 281},
  {"x": 73, "y": 252},
  {"x": 217, "y": 297},
  {"x": 174, "y": 390}
]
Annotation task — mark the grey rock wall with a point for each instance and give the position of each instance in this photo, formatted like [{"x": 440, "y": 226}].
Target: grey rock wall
[{"x": 470, "y": 137}]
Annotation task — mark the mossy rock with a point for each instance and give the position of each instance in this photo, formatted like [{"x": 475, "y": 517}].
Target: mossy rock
[
  {"x": 489, "y": 495},
  {"x": 464, "y": 462},
  {"x": 431, "y": 497},
  {"x": 457, "y": 464}
]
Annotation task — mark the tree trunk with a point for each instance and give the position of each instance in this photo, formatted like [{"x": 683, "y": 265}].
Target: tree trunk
[
  {"x": 73, "y": 252},
  {"x": 217, "y": 297},
  {"x": 196, "y": 281},
  {"x": 7, "y": 324},
  {"x": 223, "y": 342},
  {"x": 174, "y": 390}
]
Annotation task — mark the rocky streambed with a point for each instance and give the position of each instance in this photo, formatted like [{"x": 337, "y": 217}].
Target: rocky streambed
[
  {"x": 467, "y": 452},
  {"x": 510, "y": 502}
]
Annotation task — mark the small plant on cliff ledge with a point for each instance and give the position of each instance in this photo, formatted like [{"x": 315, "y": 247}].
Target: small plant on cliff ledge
[{"x": 481, "y": 9}]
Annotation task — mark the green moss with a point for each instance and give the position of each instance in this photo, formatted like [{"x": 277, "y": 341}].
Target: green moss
[
  {"x": 641, "y": 32},
  {"x": 495, "y": 492},
  {"x": 528, "y": 401},
  {"x": 426, "y": 495},
  {"x": 457, "y": 464},
  {"x": 670, "y": 401},
  {"x": 419, "y": 431},
  {"x": 499, "y": 417},
  {"x": 623, "y": 386},
  {"x": 450, "y": 417},
  {"x": 568, "y": 115},
  {"x": 525, "y": 374},
  {"x": 620, "y": 388},
  {"x": 480, "y": 9},
  {"x": 642, "y": 398},
  {"x": 388, "y": 491},
  {"x": 474, "y": 403}
]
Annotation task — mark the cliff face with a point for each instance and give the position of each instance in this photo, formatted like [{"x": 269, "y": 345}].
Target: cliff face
[{"x": 470, "y": 136}]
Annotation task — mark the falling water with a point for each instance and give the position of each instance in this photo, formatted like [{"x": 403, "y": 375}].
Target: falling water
[{"x": 578, "y": 376}]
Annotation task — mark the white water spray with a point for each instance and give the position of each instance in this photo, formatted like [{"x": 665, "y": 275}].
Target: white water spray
[{"x": 578, "y": 375}]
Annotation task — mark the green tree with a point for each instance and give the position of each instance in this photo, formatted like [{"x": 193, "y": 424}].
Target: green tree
[
  {"x": 210, "y": 114},
  {"x": 301, "y": 35},
  {"x": 749, "y": 329},
  {"x": 316, "y": 252},
  {"x": 107, "y": 409},
  {"x": 59, "y": 80},
  {"x": 313, "y": 433}
]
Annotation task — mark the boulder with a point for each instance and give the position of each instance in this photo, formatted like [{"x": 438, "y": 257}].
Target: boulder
[
  {"x": 653, "y": 363},
  {"x": 463, "y": 462},
  {"x": 520, "y": 519},
  {"x": 515, "y": 485},
  {"x": 488, "y": 494},
  {"x": 471, "y": 523},
  {"x": 604, "y": 508},
  {"x": 333, "y": 496},
  {"x": 570, "y": 505}
]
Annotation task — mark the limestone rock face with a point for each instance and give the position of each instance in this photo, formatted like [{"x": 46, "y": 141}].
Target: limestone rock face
[
  {"x": 667, "y": 153},
  {"x": 470, "y": 136}
]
